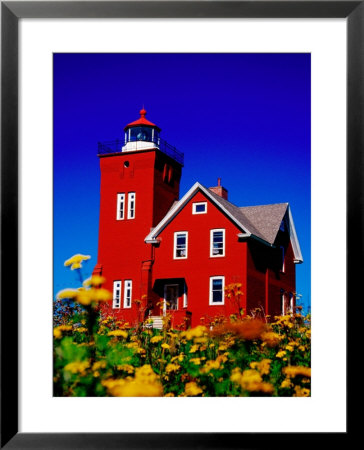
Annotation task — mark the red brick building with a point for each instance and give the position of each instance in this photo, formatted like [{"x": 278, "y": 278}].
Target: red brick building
[{"x": 177, "y": 255}]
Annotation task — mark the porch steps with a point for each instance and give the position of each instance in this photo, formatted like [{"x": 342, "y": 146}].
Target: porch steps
[{"x": 157, "y": 322}]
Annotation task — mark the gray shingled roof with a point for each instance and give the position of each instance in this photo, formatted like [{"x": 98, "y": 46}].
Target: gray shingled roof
[
  {"x": 266, "y": 218},
  {"x": 263, "y": 221}
]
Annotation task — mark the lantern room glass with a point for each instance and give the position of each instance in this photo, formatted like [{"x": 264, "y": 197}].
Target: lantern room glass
[{"x": 148, "y": 134}]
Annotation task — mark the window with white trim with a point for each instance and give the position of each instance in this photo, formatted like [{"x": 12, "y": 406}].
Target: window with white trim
[
  {"x": 180, "y": 245},
  {"x": 116, "y": 294},
  {"x": 127, "y": 293},
  {"x": 131, "y": 205},
  {"x": 120, "y": 207},
  {"x": 199, "y": 208},
  {"x": 217, "y": 242},
  {"x": 217, "y": 285}
]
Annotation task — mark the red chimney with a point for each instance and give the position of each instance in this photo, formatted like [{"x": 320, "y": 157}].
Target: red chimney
[{"x": 220, "y": 190}]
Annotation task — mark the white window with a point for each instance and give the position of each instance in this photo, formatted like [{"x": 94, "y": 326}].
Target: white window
[
  {"x": 170, "y": 297},
  {"x": 199, "y": 208},
  {"x": 217, "y": 285},
  {"x": 116, "y": 294},
  {"x": 217, "y": 243},
  {"x": 120, "y": 208},
  {"x": 127, "y": 293},
  {"x": 180, "y": 245},
  {"x": 131, "y": 205}
]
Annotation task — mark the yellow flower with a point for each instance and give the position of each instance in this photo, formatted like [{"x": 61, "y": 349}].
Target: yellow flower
[
  {"x": 81, "y": 329},
  {"x": 99, "y": 365},
  {"x": 95, "y": 280},
  {"x": 76, "y": 260},
  {"x": 132, "y": 345},
  {"x": 193, "y": 349},
  {"x": 289, "y": 348},
  {"x": 100, "y": 295},
  {"x": 293, "y": 371},
  {"x": 192, "y": 389},
  {"x": 170, "y": 394},
  {"x": 280, "y": 354},
  {"x": 196, "y": 332},
  {"x": 119, "y": 333},
  {"x": 209, "y": 365},
  {"x": 57, "y": 333},
  {"x": 236, "y": 375},
  {"x": 135, "y": 388},
  {"x": 172, "y": 368},
  {"x": 301, "y": 392},
  {"x": 87, "y": 296},
  {"x": 156, "y": 339},
  {"x": 126, "y": 368},
  {"x": 200, "y": 340},
  {"x": 271, "y": 339},
  {"x": 263, "y": 366},
  {"x": 164, "y": 345},
  {"x": 252, "y": 381},
  {"x": 287, "y": 383},
  {"x": 67, "y": 293},
  {"x": 196, "y": 361},
  {"x": 77, "y": 366},
  {"x": 145, "y": 384}
]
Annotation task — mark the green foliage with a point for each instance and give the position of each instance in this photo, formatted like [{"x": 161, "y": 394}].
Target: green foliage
[{"x": 238, "y": 358}]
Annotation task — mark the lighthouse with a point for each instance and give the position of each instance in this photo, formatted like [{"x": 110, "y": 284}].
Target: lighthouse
[
  {"x": 140, "y": 178},
  {"x": 176, "y": 257}
]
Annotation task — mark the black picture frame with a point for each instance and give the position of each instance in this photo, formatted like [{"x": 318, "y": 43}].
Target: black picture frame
[{"x": 11, "y": 12}]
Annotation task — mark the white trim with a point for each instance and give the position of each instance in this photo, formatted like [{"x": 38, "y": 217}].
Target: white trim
[
  {"x": 194, "y": 205},
  {"x": 294, "y": 240},
  {"x": 175, "y": 245},
  {"x": 219, "y": 277},
  {"x": 185, "y": 298},
  {"x": 128, "y": 285},
  {"x": 131, "y": 198},
  {"x": 197, "y": 186},
  {"x": 165, "y": 300},
  {"x": 283, "y": 257},
  {"x": 184, "y": 200},
  {"x": 114, "y": 296},
  {"x": 212, "y": 240},
  {"x": 120, "y": 200}
]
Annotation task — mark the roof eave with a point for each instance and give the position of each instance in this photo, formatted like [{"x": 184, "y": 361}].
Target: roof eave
[
  {"x": 170, "y": 215},
  {"x": 298, "y": 259}
]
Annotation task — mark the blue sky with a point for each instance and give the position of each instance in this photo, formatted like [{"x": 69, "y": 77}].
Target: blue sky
[{"x": 242, "y": 117}]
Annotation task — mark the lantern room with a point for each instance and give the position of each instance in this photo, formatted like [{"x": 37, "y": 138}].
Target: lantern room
[{"x": 141, "y": 134}]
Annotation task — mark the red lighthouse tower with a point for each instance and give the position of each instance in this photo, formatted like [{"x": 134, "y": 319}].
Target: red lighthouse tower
[{"x": 140, "y": 179}]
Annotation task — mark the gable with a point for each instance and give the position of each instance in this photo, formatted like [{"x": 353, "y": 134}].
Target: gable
[
  {"x": 260, "y": 222},
  {"x": 186, "y": 199}
]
